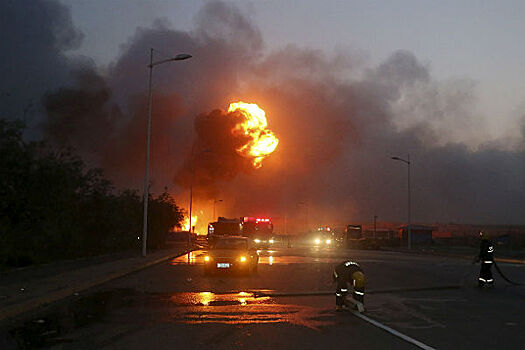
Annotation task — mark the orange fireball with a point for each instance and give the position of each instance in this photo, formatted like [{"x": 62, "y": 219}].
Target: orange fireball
[{"x": 262, "y": 141}]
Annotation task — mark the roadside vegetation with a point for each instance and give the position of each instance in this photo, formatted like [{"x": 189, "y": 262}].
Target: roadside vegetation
[{"x": 52, "y": 207}]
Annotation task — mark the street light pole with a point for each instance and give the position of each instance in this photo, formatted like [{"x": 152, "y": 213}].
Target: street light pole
[
  {"x": 375, "y": 226},
  {"x": 146, "y": 175},
  {"x": 152, "y": 64},
  {"x": 409, "y": 228},
  {"x": 306, "y": 214},
  {"x": 191, "y": 187},
  {"x": 409, "y": 208},
  {"x": 191, "y": 191}
]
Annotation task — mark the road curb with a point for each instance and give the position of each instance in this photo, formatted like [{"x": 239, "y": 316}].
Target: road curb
[{"x": 28, "y": 305}]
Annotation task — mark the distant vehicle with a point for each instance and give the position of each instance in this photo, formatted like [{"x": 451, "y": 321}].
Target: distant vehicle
[
  {"x": 233, "y": 253},
  {"x": 259, "y": 230},
  {"x": 356, "y": 240},
  {"x": 323, "y": 237},
  {"x": 223, "y": 227},
  {"x": 354, "y": 231}
]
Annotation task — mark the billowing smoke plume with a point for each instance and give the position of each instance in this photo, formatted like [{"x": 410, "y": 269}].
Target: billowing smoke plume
[
  {"x": 214, "y": 159},
  {"x": 337, "y": 134},
  {"x": 35, "y": 36}
]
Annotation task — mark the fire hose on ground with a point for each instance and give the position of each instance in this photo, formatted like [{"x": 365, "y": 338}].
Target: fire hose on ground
[
  {"x": 505, "y": 277},
  {"x": 508, "y": 280}
]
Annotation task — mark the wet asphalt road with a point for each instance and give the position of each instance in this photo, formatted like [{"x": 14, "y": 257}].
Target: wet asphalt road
[{"x": 174, "y": 305}]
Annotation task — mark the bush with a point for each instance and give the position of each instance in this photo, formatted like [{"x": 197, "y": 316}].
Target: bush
[{"x": 52, "y": 208}]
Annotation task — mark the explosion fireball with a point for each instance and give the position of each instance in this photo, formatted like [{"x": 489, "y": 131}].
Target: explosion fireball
[{"x": 262, "y": 141}]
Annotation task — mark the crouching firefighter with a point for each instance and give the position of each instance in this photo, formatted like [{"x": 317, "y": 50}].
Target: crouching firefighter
[
  {"x": 486, "y": 257},
  {"x": 349, "y": 272}
]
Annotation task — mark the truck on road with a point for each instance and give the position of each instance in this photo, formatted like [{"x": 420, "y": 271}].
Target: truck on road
[
  {"x": 259, "y": 230},
  {"x": 223, "y": 227}
]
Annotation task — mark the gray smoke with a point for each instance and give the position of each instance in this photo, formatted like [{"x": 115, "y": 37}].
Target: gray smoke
[
  {"x": 35, "y": 36},
  {"x": 337, "y": 135}
]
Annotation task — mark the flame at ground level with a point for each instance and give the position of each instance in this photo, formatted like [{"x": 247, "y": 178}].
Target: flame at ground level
[
  {"x": 262, "y": 141},
  {"x": 186, "y": 223}
]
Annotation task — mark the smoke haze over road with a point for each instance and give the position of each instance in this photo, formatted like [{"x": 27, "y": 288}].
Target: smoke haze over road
[{"x": 339, "y": 121}]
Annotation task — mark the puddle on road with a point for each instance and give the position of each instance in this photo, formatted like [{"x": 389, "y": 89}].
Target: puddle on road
[
  {"x": 192, "y": 258},
  {"x": 266, "y": 257},
  {"x": 58, "y": 325},
  {"x": 217, "y": 299},
  {"x": 243, "y": 308}
]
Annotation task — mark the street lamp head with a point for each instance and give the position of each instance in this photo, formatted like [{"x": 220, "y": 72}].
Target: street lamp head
[
  {"x": 402, "y": 160},
  {"x": 181, "y": 56}
]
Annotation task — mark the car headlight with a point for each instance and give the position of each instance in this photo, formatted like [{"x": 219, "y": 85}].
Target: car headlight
[
  {"x": 271, "y": 241},
  {"x": 328, "y": 241},
  {"x": 242, "y": 259},
  {"x": 257, "y": 240},
  {"x": 207, "y": 258},
  {"x": 317, "y": 241}
]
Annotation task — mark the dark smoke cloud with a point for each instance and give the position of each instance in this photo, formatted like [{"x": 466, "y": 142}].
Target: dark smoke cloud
[
  {"x": 337, "y": 134},
  {"x": 214, "y": 159},
  {"x": 81, "y": 116},
  {"x": 35, "y": 36}
]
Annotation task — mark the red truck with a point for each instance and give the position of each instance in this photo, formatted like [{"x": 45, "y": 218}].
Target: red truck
[{"x": 259, "y": 229}]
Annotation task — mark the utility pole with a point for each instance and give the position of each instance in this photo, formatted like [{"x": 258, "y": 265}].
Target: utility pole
[
  {"x": 375, "y": 227},
  {"x": 409, "y": 226}
]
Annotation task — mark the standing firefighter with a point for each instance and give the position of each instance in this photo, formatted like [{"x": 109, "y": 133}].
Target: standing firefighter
[
  {"x": 349, "y": 272},
  {"x": 486, "y": 257}
]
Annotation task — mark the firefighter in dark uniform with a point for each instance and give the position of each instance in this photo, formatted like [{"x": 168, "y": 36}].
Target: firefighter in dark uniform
[
  {"x": 486, "y": 258},
  {"x": 349, "y": 272}
]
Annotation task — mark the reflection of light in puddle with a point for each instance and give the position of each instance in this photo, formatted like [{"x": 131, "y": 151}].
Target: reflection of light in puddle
[
  {"x": 189, "y": 259},
  {"x": 206, "y": 297},
  {"x": 212, "y": 299},
  {"x": 241, "y": 308},
  {"x": 267, "y": 260}
]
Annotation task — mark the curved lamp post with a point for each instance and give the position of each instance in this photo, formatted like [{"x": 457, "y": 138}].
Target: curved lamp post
[
  {"x": 152, "y": 64},
  {"x": 409, "y": 235}
]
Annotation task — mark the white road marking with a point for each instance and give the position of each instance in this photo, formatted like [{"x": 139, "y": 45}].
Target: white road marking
[
  {"x": 392, "y": 331},
  {"x": 386, "y": 328}
]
